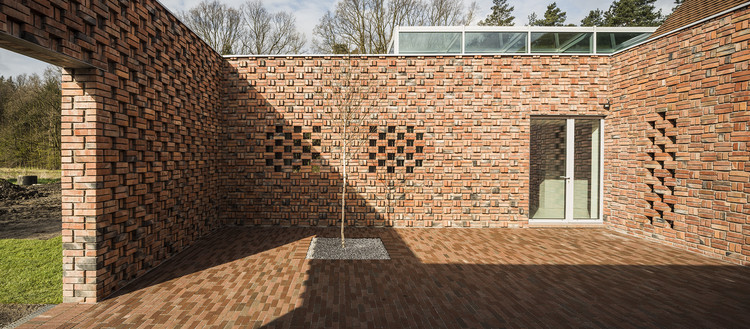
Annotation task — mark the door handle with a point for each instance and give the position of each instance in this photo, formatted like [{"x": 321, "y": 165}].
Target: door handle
[{"x": 565, "y": 177}]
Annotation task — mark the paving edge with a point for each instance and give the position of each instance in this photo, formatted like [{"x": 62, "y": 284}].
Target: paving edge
[{"x": 28, "y": 317}]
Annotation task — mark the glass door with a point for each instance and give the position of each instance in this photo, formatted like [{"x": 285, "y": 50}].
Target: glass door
[{"x": 564, "y": 182}]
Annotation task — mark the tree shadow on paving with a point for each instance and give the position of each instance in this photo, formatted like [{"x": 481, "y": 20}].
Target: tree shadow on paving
[
  {"x": 406, "y": 292},
  {"x": 268, "y": 182},
  {"x": 255, "y": 276},
  {"x": 274, "y": 173},
  {"x": 219, "y": 248},
  {"x": 436, "y": 278}
]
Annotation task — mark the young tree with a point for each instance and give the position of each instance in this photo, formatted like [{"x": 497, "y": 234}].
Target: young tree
[
  {"x": 267, "y": 33},
  {"x": 501, "y": 14},
  {"x": 346, "y": 98},
  {"x": 594, "y": 18},
  {"x": 633, "y": 13},
  {"x": 553, "y": 16},
  {"x": 366, "y": 26},
  {"x": 216, "y": 23}
]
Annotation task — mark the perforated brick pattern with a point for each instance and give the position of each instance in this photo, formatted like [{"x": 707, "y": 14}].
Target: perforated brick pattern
[
  {"x": 164, "y": 140},
  {"x": 677, "y": 146},
  {"x": 448, "y": 142},
  {"x": 140, "y": 132}
]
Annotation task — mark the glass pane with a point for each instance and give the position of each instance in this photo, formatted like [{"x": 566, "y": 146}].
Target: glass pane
[
  {"x": 429, "y": 43},
  {"x": 546, "y": 182},
  {"x": 586, "y": 173},
  {"x": 561, "y": 42},
  {"x": 609, "y": 42},
  {"x": 495, "y": 42}
]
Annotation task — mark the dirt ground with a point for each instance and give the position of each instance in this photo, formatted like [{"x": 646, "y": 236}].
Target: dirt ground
[
  {"x": 32, "y": 212},
  {"x": 10, "y": 313}
]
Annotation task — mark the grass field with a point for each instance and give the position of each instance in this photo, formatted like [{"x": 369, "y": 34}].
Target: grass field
[
  {"x": 44, "y": 176},
  {"x": 31, "y": 271}
]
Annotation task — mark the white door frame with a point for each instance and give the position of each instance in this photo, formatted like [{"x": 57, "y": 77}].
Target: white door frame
[{"x": 570, "y": 174}]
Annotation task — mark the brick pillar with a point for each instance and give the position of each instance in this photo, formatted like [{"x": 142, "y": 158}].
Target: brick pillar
[{"x": 81, "y": 184}]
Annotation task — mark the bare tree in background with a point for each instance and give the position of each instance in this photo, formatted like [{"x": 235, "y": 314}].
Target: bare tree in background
[
  {"x": 346, "y": 97},
  {"x": 366, "y": 26},
  {"x": 449, "y": 12},
  {"x": 267, "y": 33},
  {"x": 216, "y": 23},
  {"x": 251, "y": 29}
]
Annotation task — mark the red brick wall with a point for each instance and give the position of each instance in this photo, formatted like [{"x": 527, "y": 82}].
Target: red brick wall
[
  {"x": 140, "y": 133},
  {"x": 473, "y": 114},
  {"x": 677, "y": 139},
  {"x": 163, "y": 140}
]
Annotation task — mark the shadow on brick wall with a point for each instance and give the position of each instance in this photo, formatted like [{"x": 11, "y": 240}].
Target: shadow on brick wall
[{"x": 281, "y": 165}]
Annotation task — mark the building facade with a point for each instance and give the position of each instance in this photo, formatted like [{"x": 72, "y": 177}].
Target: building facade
[{"x": 165, "y": 141}]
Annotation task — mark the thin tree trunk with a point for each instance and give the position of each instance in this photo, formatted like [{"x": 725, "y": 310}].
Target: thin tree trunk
[{"x": 343, "y": 190}]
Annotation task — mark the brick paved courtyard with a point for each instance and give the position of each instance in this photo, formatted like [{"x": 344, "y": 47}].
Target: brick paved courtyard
[{"x": 452, "y": 278}]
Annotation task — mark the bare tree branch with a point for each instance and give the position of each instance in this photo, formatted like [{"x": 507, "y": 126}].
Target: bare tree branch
[
  {"x": 348, "y": 110},
  {"x": 252, "y": 29},
  {"x": 216, "y": 23},
  {"x": 366, "y": 26},
  {"x": 267, "y": 33}
]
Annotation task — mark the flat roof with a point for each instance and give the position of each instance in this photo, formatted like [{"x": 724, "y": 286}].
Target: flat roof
[{"x": 515, "y": 40}]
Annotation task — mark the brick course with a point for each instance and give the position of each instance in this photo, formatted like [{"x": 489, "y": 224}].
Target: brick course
[
  {"x": 677, "y": 141},
  {"x": 164, "y": 140},
  {"x": 140, "y": 133},
  {"x": 468, "y": 118}
]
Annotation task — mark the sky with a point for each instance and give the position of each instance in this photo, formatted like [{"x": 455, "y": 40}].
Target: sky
[{"x": 309, "y": 12}]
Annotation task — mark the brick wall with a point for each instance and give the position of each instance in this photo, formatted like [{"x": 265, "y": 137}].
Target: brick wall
[
  {"x": 140, "y": 133},
  {"x": 677, "y": 139},
  {"x": 164, "y": 141},
  {"x": 448, "y": 144}
]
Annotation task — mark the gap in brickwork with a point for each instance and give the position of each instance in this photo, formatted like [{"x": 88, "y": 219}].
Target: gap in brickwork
[
  {"x": 298, "y": 148},
  {"x": 662, "y": 142}
]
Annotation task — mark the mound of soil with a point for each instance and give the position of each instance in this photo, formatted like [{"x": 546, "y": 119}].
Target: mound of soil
[
  {"x": 10, "y": 191},
  {"x": 33, "y": 212},
  {"x": 10, "y": 313}
]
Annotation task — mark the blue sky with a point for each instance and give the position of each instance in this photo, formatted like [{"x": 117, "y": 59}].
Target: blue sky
[{"x": 309, "y": 12}]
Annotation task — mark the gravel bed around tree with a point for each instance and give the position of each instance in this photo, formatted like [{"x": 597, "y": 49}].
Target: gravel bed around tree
[{"x": 356, "y": 248}]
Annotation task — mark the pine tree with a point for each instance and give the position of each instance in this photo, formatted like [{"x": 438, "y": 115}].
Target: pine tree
[
  {"x": 633, "y": 13},
  {"x": 554, "y": 16},
  {"x": 501, "y": 14},
  {"x": 594, "y": 18}
]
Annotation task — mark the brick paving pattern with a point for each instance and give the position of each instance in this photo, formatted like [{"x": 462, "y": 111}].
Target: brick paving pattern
[
  {"x": 437, "y": 278},
  {"x": 165, "y": 141}
]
